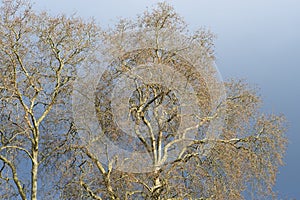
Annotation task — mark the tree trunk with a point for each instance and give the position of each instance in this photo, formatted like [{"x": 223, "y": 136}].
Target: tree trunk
[
  {"x": 34, "y": 170},
  {"x": 157, "y": 188}
]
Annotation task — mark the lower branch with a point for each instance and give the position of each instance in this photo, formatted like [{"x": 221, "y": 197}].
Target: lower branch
[
  {"x": 93, "y": 195},
  {"x": 15, "y": 177}
]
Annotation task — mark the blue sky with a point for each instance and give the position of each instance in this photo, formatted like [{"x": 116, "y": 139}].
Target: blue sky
[{"x": 256, "y": 40}]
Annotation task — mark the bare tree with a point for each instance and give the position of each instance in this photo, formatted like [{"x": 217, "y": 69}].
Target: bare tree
[
  {"x": 169, "y": 128},
  {"x": 136, "y": 112},
  {"x": 39, "y": 54}
]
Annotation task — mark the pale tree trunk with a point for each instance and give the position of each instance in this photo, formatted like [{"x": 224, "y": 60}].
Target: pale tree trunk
[
  {"x": 34, "y": 175},
  {"x": 157, "y": 186},
  {"x": 35, "y": 164}
]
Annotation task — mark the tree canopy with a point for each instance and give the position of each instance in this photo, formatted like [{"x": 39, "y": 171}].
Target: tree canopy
[{"x": 137, "y": 111}]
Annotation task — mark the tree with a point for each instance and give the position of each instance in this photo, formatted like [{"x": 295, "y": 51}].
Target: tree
[
  {"x": 39, "y": 55},
  {"x": 170, "y": 129},
  {"x": 134, "y": 112}
]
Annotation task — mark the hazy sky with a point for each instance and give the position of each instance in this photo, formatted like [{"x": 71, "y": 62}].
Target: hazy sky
[{"x": 256, "y": 40}]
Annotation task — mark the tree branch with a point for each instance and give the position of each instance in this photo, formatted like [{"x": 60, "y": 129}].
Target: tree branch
[{"x": 15, "y": 177}]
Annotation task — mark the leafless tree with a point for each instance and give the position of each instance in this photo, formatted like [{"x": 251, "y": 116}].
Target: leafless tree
[
  {"x": 169, "y": 128},
  {"x": 39, "y": 54}
]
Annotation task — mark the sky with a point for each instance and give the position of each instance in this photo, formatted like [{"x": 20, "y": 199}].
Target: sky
[{"x": 256, "y": 40}]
